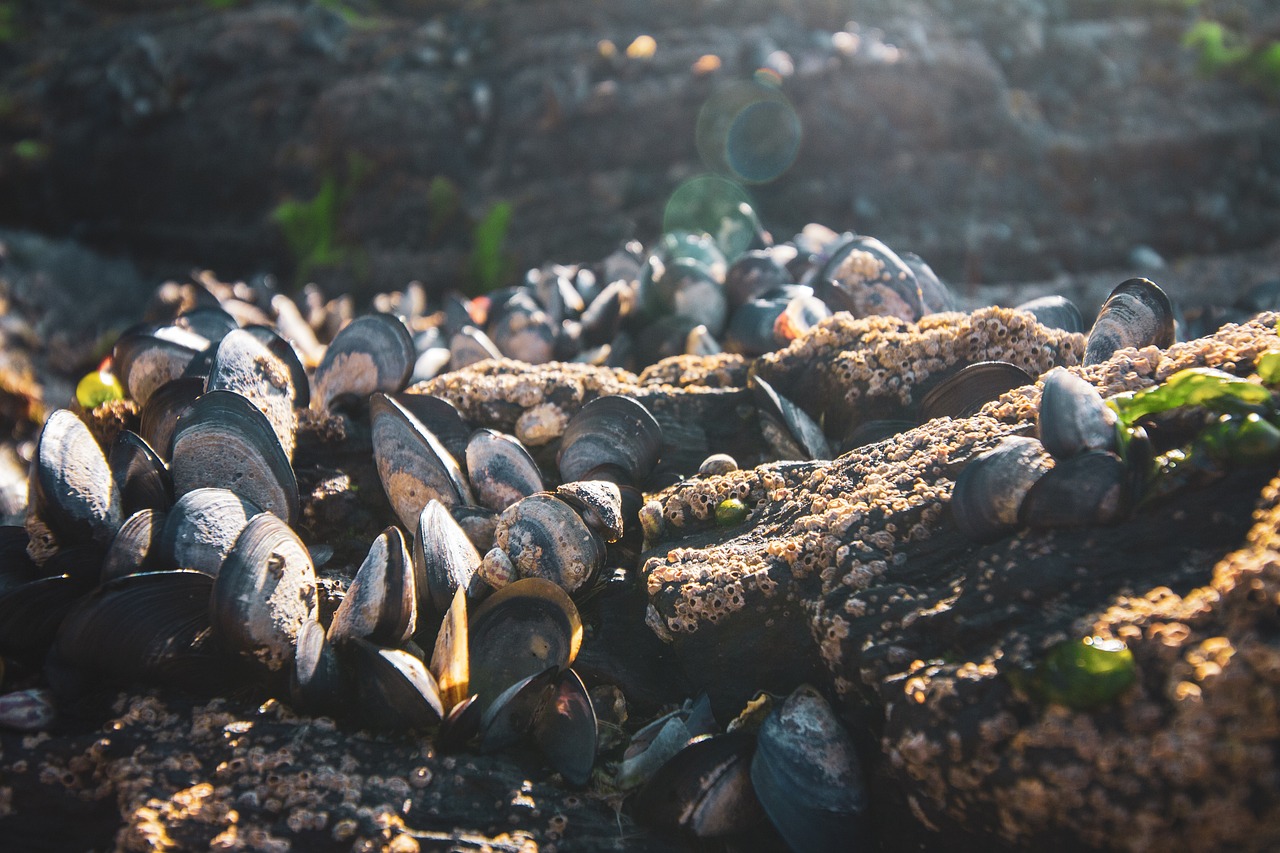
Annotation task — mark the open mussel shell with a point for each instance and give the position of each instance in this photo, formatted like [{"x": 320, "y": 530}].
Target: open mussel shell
[
  {"x": 414, "y": 466},
  {"x": 1136, "y": 314},
  {"x": 510, "y": 716},
  {"x": 614, "y": 430},
  {"x": 1089, "y": 488},
  {"x": 145, "y": 359},
  {"x": 441, "y": 417},
  {"x": 381, "y": 604},
  {"x": 371, "y": 353},
  {"x": 395, "y": 689},
  {"x": 319, "y": 684},
  {"x": 75, "y": 493},
  {"x": 243, "y": 364},
  {"x": 704, "y": 790},
  {"x": 989, "y": 491},
  {"x": 141, "y": 475},
  {"x": 1055, "y": 312},
  {"x": 147, "y": 627},
  {"x": 807, "y": 775},
  {"x": 500, "y": 469},
  {"x": 264, "y": 593},
  {"x": 136, "y": 547},
  {"x": 162, "y": 411},
  {"x": 288, "y": 356},
  {"x": 1073, "y": 417},
  {"x": 602, "y": 318},
  {"x": 790, "y": 431},
  {"x": 565, "y": 730},
  {"x": 519, "y": 631},
  {"x": 965, "y": 392},
  {"x": 225, "y": 442},
  {"x": 31, "y": 613},
  {"x": 541, "y": 536},
  {"x": 599, "y": 503},
  {"x": 202, "y": 528},
  {"x": 444, "y": 561}
]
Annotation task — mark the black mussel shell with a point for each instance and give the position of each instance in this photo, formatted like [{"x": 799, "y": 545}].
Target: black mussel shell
[
  {"x": 145, "y": 359},
  {"x": 612, "y": 430},
  {"x": 395, "y": 689},
  {"x": 1055, "y": 312},
  {"x": 478, "y": 522},
  {"x": 935, "y": 297},
  {"x": 148, "y": 627},
  {"x": 1136, "y": 314},
  {"x": 74, "y": 492},
  {"x": 16, "y": 566},
  {"x": 543, "y": 537},
  {"x": 460, "y": 724},
  {"x": 704, "y": 791},
  {"x": 243, "y": 364},
  {"x": 965, "y": 392},
  {"x": 598, "y": 503},
  {"x": 500, "y": 469},
  {"x": 519, "y": 631},
  {"x": 288, "y": 356},
  {"x": 868, "y": 278},
  {"x": 319, "y": 684},
  {"x": 413, "y": 464},
  {"x": 565, "y": 731},
  {"x": 31, "y": 613},
  {"x": 209, "y": 322},
  {"x": 371, "y": 353},
  {"x": 264, "y": 593},
  {"x": 1073, "y": 417},
  {"x": 469, "y": 346},
  {"x": 752, "y": 274},
  {"x": 444, "y": 560},
  {"x": 751, "y": 330},
  {"x": 989, "y": 491},
  {"x": 1089, "y": 488},
  {"x": 509, "y": 717},
  {"x": 140, "y": 474},
  {"x": 801, "y": 313},
  {"x": 381, "y": 604},
  {"x": 872, "y": 431},
  {"x": 603, "y": 317},
  {"x": 136, "y": 547},
  {"x": 789, "y": 429},
  {"x": 202, "y": 528},
  {"x": 807, "y": 776},
  {"x": 525, "y": 334},
  {"x": 162, "y": 411},
  {"x": 441, "y": 417},
  {"x": 225, "y": 442}
]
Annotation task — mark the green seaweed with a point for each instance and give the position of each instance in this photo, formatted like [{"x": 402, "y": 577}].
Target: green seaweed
[
  {"x": 1196, "y": 386},
  {"x": 490, "y": 266},
  {"x": 311, "y": 228}
]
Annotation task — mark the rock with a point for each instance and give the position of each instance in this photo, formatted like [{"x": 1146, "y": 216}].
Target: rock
[{"x": 853, "y": 569}]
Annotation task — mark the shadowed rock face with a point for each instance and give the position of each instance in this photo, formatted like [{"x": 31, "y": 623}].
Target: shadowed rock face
[{"x": 854, "y": 567}]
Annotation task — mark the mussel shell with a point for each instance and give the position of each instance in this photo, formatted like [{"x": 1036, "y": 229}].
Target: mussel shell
[
  {"x": 989, "y": 491},
  {"x": 208, "y": 321},
  {"x": 162, "y": 411},
  {"x": 565, "y": 730},
  {"x": 1073, "y": 417},
  {"x": 872, "y": 431},
  {"x": 478, "y": 522},
  {"x": 500, "y": 469},
  {"x": 441, "y": 417},
  {"x": 319, "y": 684},
  {"x": 371, "y": 353},
  {"x": 150, "y": 627},
  {"x": 519, "y": 631},
  {"x": 140, "y": 474},
  {"x": 802, "y": 313},
  {"x": 610, "y": 430},
  {"x": 264, "y": 592},
  {"x": 1055, "y": 312},
  {"x": 469, "y": 346},
  {"x": 146, "y": 359},
  {"x": 225, "y": 442},
  {"x": 526, "y": 335},
  {"x": 31, "y": 613},
  {"x": 543, "y": 537},
  {"x": 807, "y": 775},
  {"x": 450, "y": 657},
  {"x": 603, "y": 317},
  {"x": 283, "y": 350},
  {"x": 136, "y": 547},
  {"x": 444, "y": 560},
  {"x": 965, "y": 392},
  {"x": 705, "y": 790},
  {"x": 16, "y": 566},
  {"x": 381, "y": 603},
  {"x": 751, "y": 328},
  {"x": 1136, "y": 314},
  {"x": 1089, "y": 488},
  {"x": 202, "y": 528},
  {"x": 243, "y": 364},
  {"x": 751, "y": 274},
  {"x": 414, "y": 466},
  {"x": 598, "y": 503},
  {"x": 396, "y": 691},
  {"x": 75, "y": 493},
  {"x": 789, "y": 429},
  {"x": 868, "y": 279},
  {"x": 509, "y": 717},
  {"x": 935, "y": 297}
]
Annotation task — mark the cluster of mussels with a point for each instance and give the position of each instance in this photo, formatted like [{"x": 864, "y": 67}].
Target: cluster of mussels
[{"x": 171, "y": 556}]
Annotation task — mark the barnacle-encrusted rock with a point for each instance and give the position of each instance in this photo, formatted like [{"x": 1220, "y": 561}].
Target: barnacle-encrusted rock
[{"x": 854, "y": 567}]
